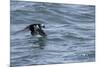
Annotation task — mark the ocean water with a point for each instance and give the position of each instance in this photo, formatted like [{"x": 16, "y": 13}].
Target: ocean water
[{"x": 70, "y": 30}]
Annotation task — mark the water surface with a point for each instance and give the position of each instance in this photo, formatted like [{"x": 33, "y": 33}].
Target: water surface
[{"x": 70, "y": 30}]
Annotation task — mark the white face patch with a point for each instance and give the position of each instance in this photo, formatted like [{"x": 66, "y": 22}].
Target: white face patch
[{"x": 42, "y": 25}]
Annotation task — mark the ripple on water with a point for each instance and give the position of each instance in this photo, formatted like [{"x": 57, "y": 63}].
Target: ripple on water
[{"x": 70, "y": 33}]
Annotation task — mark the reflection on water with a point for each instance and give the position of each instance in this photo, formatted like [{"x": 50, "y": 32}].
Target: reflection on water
[{"x": 42, "y": 42}]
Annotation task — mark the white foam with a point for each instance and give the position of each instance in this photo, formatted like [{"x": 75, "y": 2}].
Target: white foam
[{"x": 38, "y": 36}]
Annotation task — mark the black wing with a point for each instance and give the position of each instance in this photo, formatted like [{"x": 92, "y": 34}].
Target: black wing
[{"x": 23, "y": 30}]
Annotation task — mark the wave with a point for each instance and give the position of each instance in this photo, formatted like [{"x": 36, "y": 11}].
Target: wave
[{"x": 70, "y": 33}]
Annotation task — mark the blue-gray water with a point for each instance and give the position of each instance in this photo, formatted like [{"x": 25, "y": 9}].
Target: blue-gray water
[{"x": 70, "y": 33}]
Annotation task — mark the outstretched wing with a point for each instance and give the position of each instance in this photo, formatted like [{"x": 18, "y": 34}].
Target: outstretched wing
[{"x": 23, "y": 30}]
